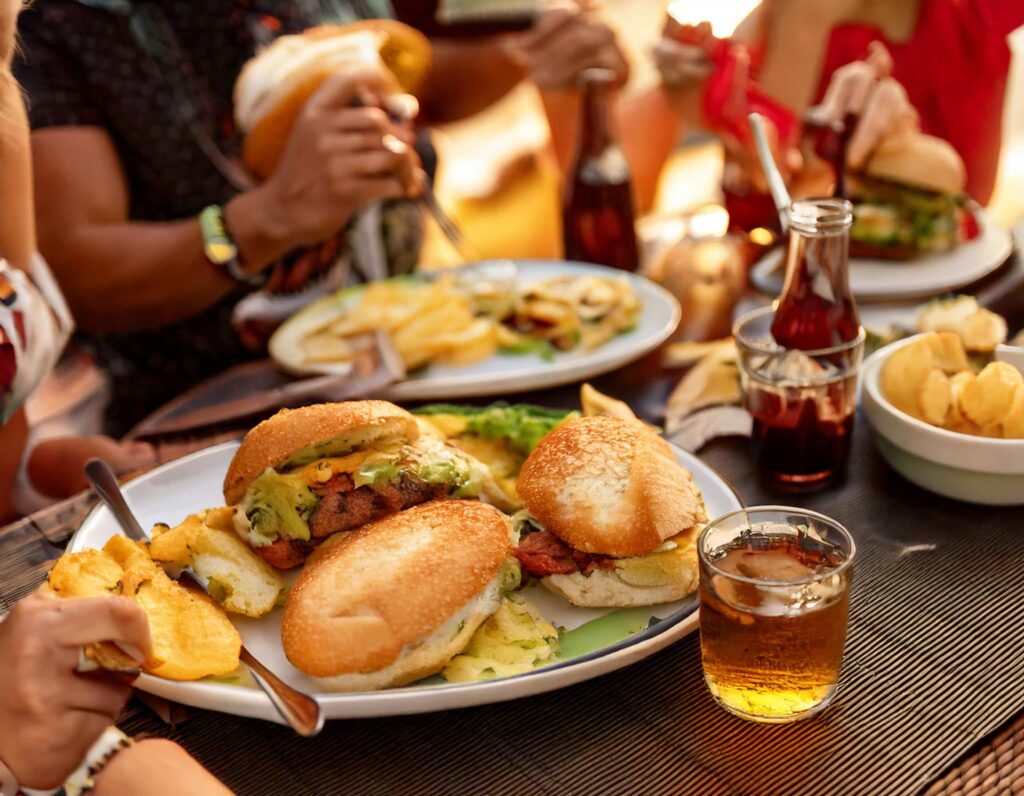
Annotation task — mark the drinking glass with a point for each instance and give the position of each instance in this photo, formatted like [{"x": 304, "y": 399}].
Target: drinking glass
[
  {"x": 802, "y": 403},
  {"x": 774, "y": 602}
]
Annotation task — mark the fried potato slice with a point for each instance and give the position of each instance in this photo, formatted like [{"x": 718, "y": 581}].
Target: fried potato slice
[
  {"x": 955, "y": 416},
  {"x": 191, "y": 636},
  {"x": 904, "y": 374},
  {"x": 948, "y": 352},
  {"x": 989, "y": 399},
  {"x": 90, "y": 573},
  {"x": 474, "y": 343},
  {"x": 983, "y": 330},
  {"x": 935, "y": 397},
  {"x": 594, "y": 402},
  {"x": 1013, "y": 423},
  {"x": 135, "y": 562},
  {"x": 236, "y": 577},
  {"x": 188, "y": 630}
]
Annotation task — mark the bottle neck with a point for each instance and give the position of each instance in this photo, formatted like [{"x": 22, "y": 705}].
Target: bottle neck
[{"x": 595, "y": 134}]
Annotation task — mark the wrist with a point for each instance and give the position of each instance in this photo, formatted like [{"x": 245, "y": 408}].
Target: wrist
[{"x": 260, "y": 227}]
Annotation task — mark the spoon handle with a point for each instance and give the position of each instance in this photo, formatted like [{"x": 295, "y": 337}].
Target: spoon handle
[
  {"x": 301, "y": 711},
  {"x": 105, "y": 483}
]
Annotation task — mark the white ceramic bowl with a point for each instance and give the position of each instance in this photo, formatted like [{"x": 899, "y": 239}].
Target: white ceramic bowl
[{"x": 960, "y": 466}]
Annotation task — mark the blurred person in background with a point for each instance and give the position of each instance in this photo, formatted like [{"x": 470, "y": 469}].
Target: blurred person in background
[
  {"x": 55, "y": 723},
  {"x": 133, "y": 137},
  {"x": 34, "y": 323},
  {"x": 940, "y": 65}
]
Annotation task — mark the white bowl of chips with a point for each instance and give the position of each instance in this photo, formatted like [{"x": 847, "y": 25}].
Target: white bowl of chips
[{"x": 977, "y": 467}]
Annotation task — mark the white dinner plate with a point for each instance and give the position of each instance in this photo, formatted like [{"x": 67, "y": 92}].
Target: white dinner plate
[
  {"x": 192, "y": 483},
  {"x": 922, "y": 277},
  {"x": 504, "y": 374}
]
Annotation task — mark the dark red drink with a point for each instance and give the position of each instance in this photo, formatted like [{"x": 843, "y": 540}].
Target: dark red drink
[
  {"x": 802, "y": 441},
  {"x": 816, "y": 309},
  {"x": 597, "y": 201}
]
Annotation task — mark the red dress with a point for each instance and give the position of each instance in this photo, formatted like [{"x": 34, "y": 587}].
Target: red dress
[{"x": 954, "y": 68}]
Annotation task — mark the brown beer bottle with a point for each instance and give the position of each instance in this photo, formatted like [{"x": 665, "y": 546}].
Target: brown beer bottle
[{"x": 597, "y": 200}]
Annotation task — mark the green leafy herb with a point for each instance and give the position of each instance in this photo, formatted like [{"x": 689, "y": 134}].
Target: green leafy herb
[
  {"x": 521, "y": 425},
  {"x": 531, "y": 345}
]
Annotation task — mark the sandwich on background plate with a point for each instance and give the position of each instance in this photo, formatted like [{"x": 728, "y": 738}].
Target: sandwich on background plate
[
  {"x": 398, "y": 599},
  {"x": 908, "y": 200},
  {"x": 275, "y": 84},
  {"x": 309, "y": 473},
  {"x": 611, "y": 517}
]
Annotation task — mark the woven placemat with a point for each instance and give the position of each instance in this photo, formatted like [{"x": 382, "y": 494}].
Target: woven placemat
[
  {"x": 934, "y": 666},
  {"x": 995, "y": 769}
]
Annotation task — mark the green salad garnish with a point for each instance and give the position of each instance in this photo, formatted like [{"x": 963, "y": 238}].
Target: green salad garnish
[{"x": 521, "y": 425}]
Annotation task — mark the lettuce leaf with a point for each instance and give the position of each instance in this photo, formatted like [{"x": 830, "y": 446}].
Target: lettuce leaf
[{"x": 521, "y": 425}]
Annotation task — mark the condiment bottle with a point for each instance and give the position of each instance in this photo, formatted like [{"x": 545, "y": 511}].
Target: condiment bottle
[
  {"x": 816, "y": 309},
  {"x": 597, "y": 200}
]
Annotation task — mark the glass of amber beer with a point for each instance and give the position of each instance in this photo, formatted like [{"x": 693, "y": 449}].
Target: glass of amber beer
[{"x": 774, "y": 600}]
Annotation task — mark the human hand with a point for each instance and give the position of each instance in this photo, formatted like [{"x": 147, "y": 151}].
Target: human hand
[
  {"x": 343, "y": 152},
  {"x": 569, "y": 36},
  {"x": 51, "y": 714},
  {"x": 56, "y": 466},
  {"x": 880, "y": 104},
  {"x": 680, "y": 56}
]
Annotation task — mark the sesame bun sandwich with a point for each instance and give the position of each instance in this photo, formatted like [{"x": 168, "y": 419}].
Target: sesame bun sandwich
[
  {"x": 908, "y": 200},
  {"x": 398, "y": 599},
  {"x": 306, "y": 474},
  {"x": 274, "y": 85},
  {"x": 611, "y": 517}
]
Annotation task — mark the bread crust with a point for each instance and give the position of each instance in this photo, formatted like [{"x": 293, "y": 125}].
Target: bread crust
[
  {"x": 279, "y": 437},
  {"x": 404, "y": 51},
  {"x": 609, "y": 486},
  {"x": 391, "y": 583},
  {"x": 919, "y": 160}
]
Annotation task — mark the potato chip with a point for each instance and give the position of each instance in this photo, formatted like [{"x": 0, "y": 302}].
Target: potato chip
[
  {"x": 904, "y": 374},
  {"x": 90, "y": 573},
  {"x": 191, "y": 636},
  {"x": 594, "y": 402},
  {"x": 188, "y": 631},
  {"x": 934, "y": 398},
  {"x": 1013, "y": 423},
  {"x": 221, "y": 518},
  {"x": 955, "y": 416},
  {"x": 989, "y": 399},
  {"x": 134, "y": 559},
  {"x": 983, "y": 330},
  {"x": 947, "y": 352}
]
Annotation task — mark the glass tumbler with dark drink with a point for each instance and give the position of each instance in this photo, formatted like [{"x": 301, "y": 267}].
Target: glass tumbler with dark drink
[
  {"x": 799, "y": 361},
  {"x": 802, "y": 403},
  {"x": 774, "y": 602},
  {"x": 598, "y": 223}
]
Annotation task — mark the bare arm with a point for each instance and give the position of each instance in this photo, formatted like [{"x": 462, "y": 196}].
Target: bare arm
[
  {"x": 795, "y": 34},
  {"x": 119, "y": 275},
  {"x": 448, "y": 96},
  {"x": 17, "y": 231},
  {"x": 144, "y": 768}
]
